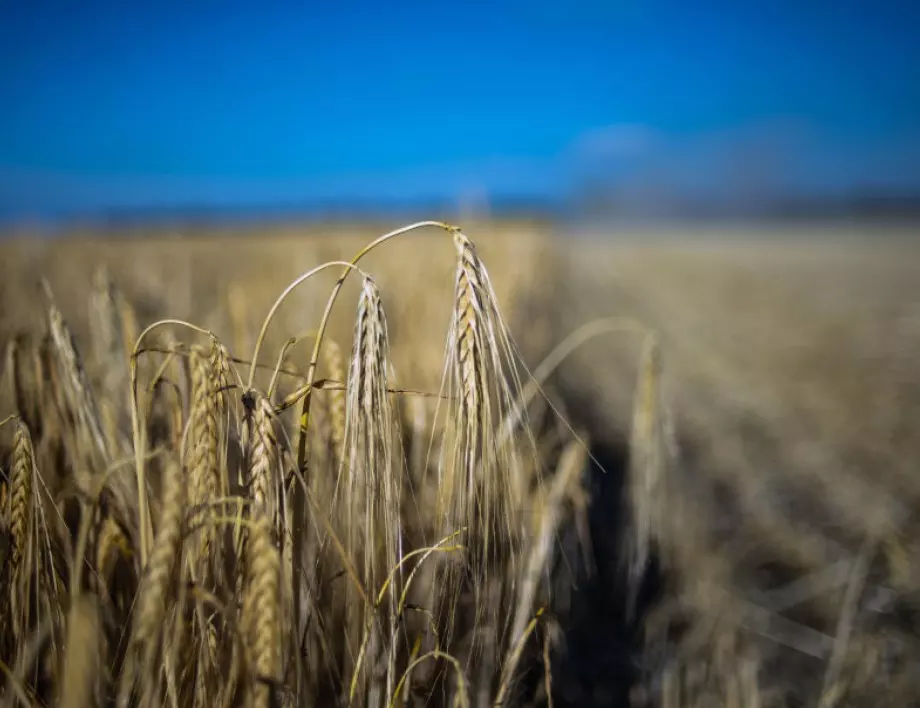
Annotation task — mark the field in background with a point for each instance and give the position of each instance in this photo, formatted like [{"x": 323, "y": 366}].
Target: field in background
[{"x": 776, "y": 490}]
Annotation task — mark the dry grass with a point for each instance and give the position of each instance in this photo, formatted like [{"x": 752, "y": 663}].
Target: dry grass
[{"x": 423, "y": 523}]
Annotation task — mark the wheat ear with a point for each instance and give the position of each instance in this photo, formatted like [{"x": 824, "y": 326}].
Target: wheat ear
[
  {"x": 263, "y": 456},
  {"x": 263, "y": 610},
  {"x": 202, "y": 456},
  {"x": 77, "y": 390},
  {"x": 646, "y": 465},
  {"x": 159, "y": 575},
  {"x": 21, "y": 501},
  {"x": 482, "y": 381},
  {"x": 111, "y": 544},
  {"x": 109, "y": 344},
  {"x": 374, "y": 485}
]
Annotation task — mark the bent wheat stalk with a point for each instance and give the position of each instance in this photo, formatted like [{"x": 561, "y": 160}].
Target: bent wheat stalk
[{"x": 321, "y": 330}]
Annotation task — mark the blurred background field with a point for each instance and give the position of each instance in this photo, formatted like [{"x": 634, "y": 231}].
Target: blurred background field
[{"x": 742, "y": 526}]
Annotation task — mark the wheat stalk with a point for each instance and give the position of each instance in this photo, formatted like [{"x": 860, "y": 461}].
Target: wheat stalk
[
  {"x": 82, "y": 656},
  {"x": 12, "y": 375},
  {"x": 4, "y": 505}
]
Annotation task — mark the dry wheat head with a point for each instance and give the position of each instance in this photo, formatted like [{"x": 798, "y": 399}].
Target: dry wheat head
[{"x": 263, "y": 610}]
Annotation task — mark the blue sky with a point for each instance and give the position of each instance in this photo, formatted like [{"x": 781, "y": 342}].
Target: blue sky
[{"x": 220, "y": 102}]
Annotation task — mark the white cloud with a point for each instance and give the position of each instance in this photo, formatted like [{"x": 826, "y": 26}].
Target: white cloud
[{"x": 618, "y": 140}]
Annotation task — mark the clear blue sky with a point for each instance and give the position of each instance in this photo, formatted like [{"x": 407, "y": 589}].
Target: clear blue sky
[{"x": 149, "y": 103}]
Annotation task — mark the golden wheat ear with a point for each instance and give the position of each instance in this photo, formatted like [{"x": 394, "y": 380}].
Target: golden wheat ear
[
  {"x": 20, "y": 501},
  {"x": 34, "y": 589},
  {"x": 108, "y": 339},
  {"x": 369, "y": 418},
  {"x": 477, "y": 487},
  {"x": 201, "y": 439},
  {"x": 78, "y": 392},
  {"x": 204, "y": 471},
  {"x": 157, "y": 589},
  {"x": 264, "y": 478},
  {"x": 262, "y": 611},
  {"x": 373, "y": 481},
  {"x": 482, "y": 381},
  {"x": 648, "y": 457},
  {"x": 21, "y": 515}
]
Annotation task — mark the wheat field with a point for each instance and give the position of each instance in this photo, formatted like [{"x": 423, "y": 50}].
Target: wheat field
[{"x": 503, "y": 465}]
